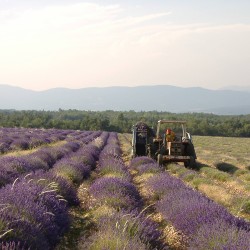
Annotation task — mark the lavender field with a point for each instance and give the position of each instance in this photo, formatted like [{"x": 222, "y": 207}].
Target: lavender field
[{"x": 67, "y": 189}]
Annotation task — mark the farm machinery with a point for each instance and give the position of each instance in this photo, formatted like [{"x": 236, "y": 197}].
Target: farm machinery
[
  {"x": 165, "y": 145},
  {"x": 142, "y": 139}
]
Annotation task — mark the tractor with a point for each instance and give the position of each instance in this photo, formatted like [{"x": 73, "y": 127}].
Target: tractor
[
  {"x": 142, "y": 139},
  {"x": 165, "y": 145}
]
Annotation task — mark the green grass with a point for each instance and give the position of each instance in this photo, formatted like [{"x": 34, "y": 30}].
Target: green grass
[
  {"x": 215, "y": 174},
  {"x": 227, "y": 154},
  {"x": 246, "y": 207},
  {"x": 213, "y": 150}
]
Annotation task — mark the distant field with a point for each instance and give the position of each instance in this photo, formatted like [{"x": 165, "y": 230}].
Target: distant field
[{"x": 215, "y": 151}]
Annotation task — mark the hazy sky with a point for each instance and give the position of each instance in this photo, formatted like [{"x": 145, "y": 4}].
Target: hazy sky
[{"x": 75, "y": 44}]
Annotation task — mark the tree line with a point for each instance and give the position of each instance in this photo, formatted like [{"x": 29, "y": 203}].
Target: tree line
[{"x": 122, "y": 122}]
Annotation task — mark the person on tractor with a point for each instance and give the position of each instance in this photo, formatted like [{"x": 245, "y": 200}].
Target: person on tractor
[{"x": 170, "y": 135}]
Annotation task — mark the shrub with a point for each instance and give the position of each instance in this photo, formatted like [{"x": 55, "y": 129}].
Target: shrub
[
  {"x": 109, "y": 165},
  {"x": 12, "y": 167},
  {"x": 137, "y": 161},
  {"x": 32, "y": 214},
  {"x": 71, "y": 170},
  {"x": 64, "y": 187},
  {"x": 220, "y": 235},
  {"x": 128, "y": 230},
  {"x": 153, "y": 168},
  {"x": 115, "y": 192},
  {"x": 160, "y": 184}
]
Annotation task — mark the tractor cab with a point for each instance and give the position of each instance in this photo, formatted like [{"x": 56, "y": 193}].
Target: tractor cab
[{"x": 173, "y": 143}]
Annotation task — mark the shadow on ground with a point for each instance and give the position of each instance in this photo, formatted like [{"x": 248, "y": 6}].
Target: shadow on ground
[{"x": 226, "y": 167}]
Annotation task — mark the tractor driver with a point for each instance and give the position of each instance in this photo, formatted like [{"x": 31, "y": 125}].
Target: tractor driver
[{"x": 170, "y": 135}]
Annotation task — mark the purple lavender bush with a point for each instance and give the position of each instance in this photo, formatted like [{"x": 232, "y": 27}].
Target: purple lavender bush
[
  {"x": 13, "y": 246},
  {"x": 110, "y": 239},
  {"x": 23, "y": 138},
  {"x": 116, "y": 192},
  {"x": 122, "y": 230},
  {"x": 160, "y": 184},
  {"x": 63, "y": 187},
  {"x": 138, "y": 161},
  {"x": 14, "y": 163},
  {"x": 19, "y": 144},
  {"x": 12, "y": 167},
  {"x": 72, "y": 146},
  {"x": 113, "y": 166},
  {"x": 32, "y": 214},
  {"x": 71, "y": 170},
  {"x": 46, "y": 155},
  {"x": 187, "y": 209},
  {"x": 35, "y": 163},
  {"x": 4, "y": 147},
  {"x": 207, "y": 224},
  {"x": 152, "y": 168},
  {"x": 92, "y": 150},
  {"x": 133, "y": 224},
  {"x": 220, "y": 235},
  {"x": 85, "y": 156},
  {"x": 112, "y": 147}
]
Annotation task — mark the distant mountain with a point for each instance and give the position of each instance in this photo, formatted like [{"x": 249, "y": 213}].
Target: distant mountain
[
  {"x": 143, "y": 98},
  {"x": 237, "y": 88}
]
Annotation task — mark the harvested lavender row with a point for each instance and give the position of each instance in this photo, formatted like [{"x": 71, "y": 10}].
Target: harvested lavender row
[
  {"x": 117, "y": 207},
  {"x": 34, "y": 209},
  {"x": 12, "y": 167},
  {"x": 207, "y": 224}
]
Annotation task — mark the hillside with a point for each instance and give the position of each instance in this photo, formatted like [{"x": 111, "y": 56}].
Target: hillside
[{"x": 143, "y": 98}]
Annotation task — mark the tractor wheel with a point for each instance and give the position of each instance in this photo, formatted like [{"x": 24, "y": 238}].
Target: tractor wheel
[
  {"x": 159, "y": 159},
  {"x": 190, "y": 163}
]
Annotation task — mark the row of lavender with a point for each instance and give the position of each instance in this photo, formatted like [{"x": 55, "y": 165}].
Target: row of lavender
[
  {"x": 34, "y": 209},
  {"x": 24, "y": 138},
  {"x": 206, "y": 224},
  {"x": 11, "y": 167},
  {"x": 117, "y": 207}
]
